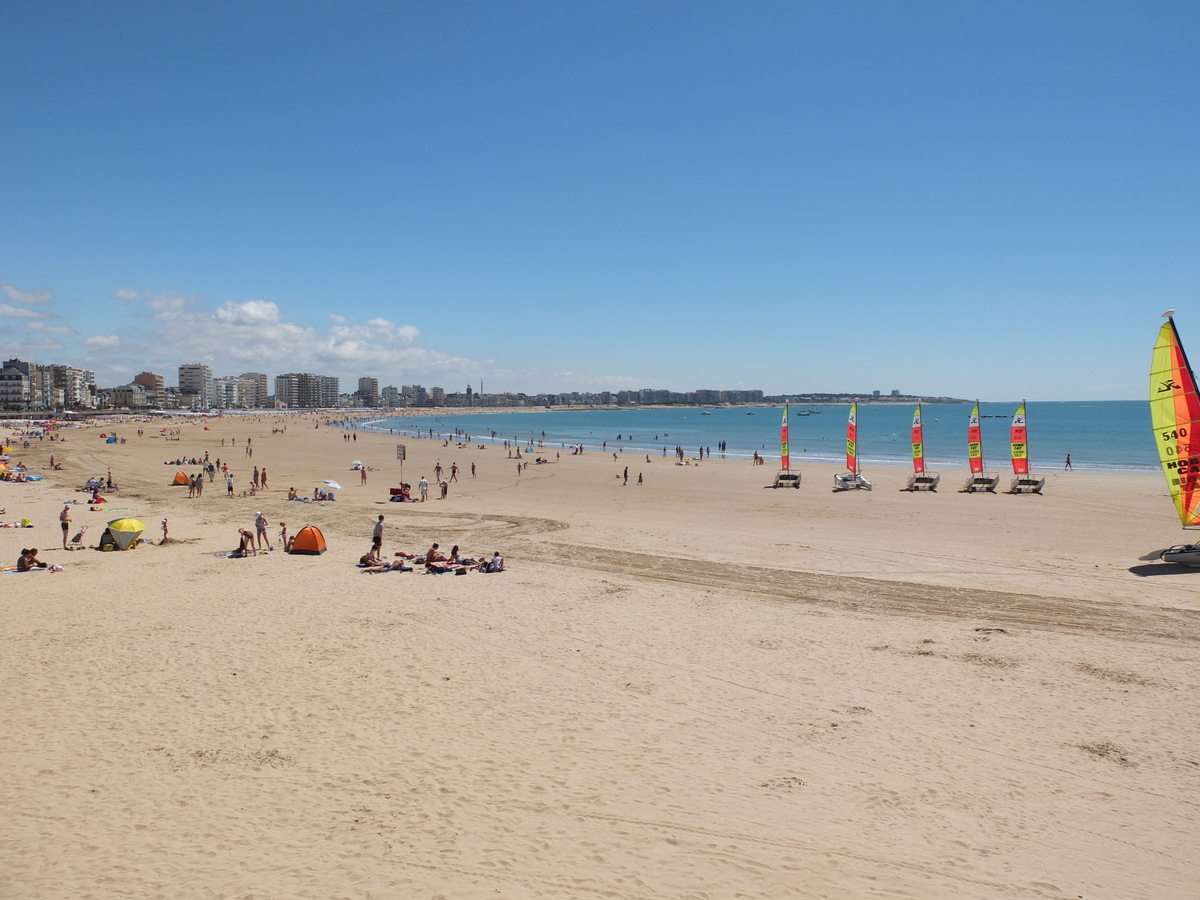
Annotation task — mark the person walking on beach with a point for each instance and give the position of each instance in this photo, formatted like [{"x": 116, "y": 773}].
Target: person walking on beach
[
  {"x": 200, "y": 485},
  {"x": 64, "y": 519},
  {"x": 229, "y": 484},
  {"x": 437, "y": 471},
  {"x": 472, "y": 470},
  {"x": 423, "y": 485},
  {"x": 626, "y": 481},
  {"x": 454, "y": 471},
  {"x": 1068, "y": 467},
  {"x": 377, "y": 536},
  {"x": 263, "y": 477}
]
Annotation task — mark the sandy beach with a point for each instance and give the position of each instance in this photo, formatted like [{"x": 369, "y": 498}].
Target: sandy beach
[{"x": 696, "y": 687}]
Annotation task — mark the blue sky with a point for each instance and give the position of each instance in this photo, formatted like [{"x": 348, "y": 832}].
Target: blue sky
[{"x": 960, "y": 198}]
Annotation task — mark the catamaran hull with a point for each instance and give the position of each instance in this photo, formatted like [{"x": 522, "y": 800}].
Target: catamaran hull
[
  {"x": 923, "y": 482},
  {"x": 1027, "y": 484},
  {"x": 1183, "y": 554},
  {"x": 850, "y": 482}
]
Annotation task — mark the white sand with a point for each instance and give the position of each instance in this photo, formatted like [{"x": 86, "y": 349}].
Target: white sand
[{"x": 695, "y": 688}]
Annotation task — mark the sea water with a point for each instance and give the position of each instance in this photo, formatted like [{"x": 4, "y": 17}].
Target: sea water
[{"x": 1099, "y": 434}]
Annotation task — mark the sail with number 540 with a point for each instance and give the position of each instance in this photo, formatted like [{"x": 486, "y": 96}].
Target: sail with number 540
[{"x": 1175, "y": 416}]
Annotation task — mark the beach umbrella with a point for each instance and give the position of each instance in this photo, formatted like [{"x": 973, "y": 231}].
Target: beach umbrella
[
  {"x": 356, "y": 462},
  {"x": 329, "y": 482},
  {"x": 125, "y": 532}
]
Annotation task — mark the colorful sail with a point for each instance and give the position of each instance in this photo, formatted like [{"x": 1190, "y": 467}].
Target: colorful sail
[
  {"x": 783, "y": 441},
  {"x": 852, "y": 441},
  {"x": 975, "y": 442},
  {"x": 918, "y": 442},
  {"x": 1175, "y": 416},
  {"x": 1019, "y": 441}
]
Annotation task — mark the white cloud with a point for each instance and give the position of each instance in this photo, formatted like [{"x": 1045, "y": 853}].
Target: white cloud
[
  {"x": 32, "y": 349},
  {"x": 21, "y": 312},
  {"x": 33, "y": 296},
  {"x": 159, "y": 331},
  {"x": 252, "y": 312},
  {"x": 42, "y": 326}
]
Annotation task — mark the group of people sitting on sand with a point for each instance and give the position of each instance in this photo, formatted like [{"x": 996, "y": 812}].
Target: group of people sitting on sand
[
  {"x": 434, "y": 561},
  {"x": 29, "y": 562},
  {"x": 319, "y": 496}
]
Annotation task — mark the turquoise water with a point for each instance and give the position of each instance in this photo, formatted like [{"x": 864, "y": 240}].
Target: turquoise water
[{"x": 1099, "y": 435}]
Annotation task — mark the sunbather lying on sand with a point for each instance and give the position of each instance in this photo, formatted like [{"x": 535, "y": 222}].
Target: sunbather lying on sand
[{"x": 397, "y": 566}]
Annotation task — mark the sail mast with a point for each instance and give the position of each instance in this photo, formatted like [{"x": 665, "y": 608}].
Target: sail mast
[
  {"x": 852, "y": 440},
  {"x": 1020, "y": 443},
  {"x": 918, "y": 442},
  {"x": 975, "y": 442},
  {"x": 783, "y": 440}
]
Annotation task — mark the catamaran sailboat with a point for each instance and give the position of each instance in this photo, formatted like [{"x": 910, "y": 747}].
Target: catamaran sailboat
[
  {"x": 1175, "y": 417},
  {"x": 1024, "y": 483},
  {"x": 920, "y": 480},
  {"x": 785, "y": 477},
  {"x": 852, "y": 479},
  {"x": 979, "y": 480}
]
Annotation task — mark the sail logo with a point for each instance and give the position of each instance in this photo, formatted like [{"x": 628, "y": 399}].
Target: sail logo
[{"x": 1170, "y": 385}]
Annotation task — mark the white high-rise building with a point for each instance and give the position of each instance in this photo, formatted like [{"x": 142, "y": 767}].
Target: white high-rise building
[{"x": 197, "y": 379}]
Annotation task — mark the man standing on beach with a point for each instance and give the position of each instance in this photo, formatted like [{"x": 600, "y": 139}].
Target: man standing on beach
[
  {"x": 626, "y": 481},
  {"x": 472, "y": 470},
  {"x": 229, "y": 484},
  {"x": 423, "y": 485},
  {"x": 64, "y": 518},
  {"x": 377, "y": 536}
]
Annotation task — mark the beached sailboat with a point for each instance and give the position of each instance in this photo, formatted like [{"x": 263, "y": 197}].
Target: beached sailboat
[
  {"x": 785, "y": 477},
  {"x": 852, "y": 479},
  {"x": 978, "y": 480},
  {"x": 1175, "y": 417},
  {"x": 920, "y": 480},
  {"x": 1024, "y": 483}
]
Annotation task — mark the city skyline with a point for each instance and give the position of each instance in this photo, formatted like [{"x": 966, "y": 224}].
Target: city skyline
[{"x": 786, "y": 196}]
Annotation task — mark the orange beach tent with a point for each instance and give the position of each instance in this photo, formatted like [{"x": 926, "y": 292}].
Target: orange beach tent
[
  {"x": 180, "y": 478},
  {"x": 309, "y": 540}
]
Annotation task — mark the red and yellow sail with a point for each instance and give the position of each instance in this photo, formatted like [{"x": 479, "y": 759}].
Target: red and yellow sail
[
  {"x": 918, "y": 442},
  {"x": 852, "y": 441},
  {"x": 1175, "y": 417},
  {"x": 975, "y": 442},
  {"x": 1020, "y": 443},
  {"x": 783, "y": 441}
]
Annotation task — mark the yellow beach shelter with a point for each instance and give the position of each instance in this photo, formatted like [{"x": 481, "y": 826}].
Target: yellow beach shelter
[{"x": 125, "y": 532}]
